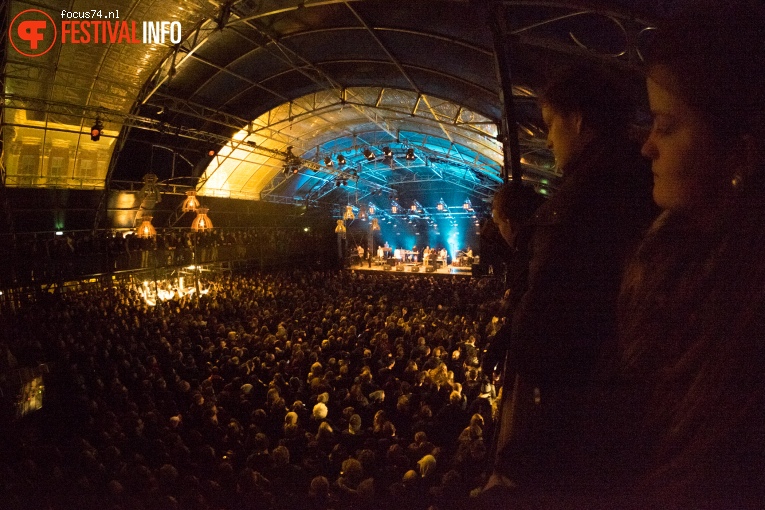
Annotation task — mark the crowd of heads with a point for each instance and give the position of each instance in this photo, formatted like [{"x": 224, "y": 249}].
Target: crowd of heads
[{"x": 313, "y": 389}]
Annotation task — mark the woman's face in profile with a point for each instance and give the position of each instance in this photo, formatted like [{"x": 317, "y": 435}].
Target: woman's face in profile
[{"x": 687, "y": 158}]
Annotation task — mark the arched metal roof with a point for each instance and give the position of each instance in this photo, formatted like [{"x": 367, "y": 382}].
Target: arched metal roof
[{"x": 274, "y": 87}]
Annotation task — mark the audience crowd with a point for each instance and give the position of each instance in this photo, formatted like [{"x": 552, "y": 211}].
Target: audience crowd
[{"x": 307, "y": 389}]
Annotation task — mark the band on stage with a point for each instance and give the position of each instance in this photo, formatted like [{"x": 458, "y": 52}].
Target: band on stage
[{"x": 437, "y": 257}]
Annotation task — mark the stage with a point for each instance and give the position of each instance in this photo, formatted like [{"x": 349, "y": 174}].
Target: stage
[{"x": 393, "y": 266}]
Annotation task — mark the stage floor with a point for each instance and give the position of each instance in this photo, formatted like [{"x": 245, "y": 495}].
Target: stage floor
[{"x": 412, "y": 268}]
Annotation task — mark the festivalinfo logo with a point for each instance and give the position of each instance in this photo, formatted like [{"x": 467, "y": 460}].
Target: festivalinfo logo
[{"x": 33, "y": 32}]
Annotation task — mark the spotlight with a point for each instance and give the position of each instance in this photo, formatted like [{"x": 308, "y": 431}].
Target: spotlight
[
  {"x": 294, "y": 169},
  {"x": 409, "y": 154},
  {"x": 340, "y": 159},
  {"x": 95, "y": 131},
  {"x": 369, "y": 154},
  {"x": 387, "y": 156},
  {"x": 328, "y": 161},
  {"x": 337, "y": 184}
]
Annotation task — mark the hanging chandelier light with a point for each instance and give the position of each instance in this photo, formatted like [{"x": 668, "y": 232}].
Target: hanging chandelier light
[
  {"x": 202, "y": 222},
  {"x": 375, "y": 225},
  {"x": 348, "y": 215},
  {"x": 191, "y": 204},
  {"x": 340, "y": 228},
  {"x": 150, "y": 187},
  {"x": 441, "y": 205},
  {"x": 467, "y": 205},
  {"x": 394, "y": 207},
  {"x": 372, "y": 209},
  {"x": 145, "y": 230}
]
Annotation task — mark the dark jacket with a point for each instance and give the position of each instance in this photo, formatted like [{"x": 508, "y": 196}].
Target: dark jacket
[
  {"x": 565, "y": 322},
  {"x": 692, "y": 316}
]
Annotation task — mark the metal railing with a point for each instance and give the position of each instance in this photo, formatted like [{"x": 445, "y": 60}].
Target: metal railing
[{"x": 43, "y": 258}]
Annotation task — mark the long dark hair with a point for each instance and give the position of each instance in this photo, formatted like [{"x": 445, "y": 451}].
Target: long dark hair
[
  {"x": 692, "y": 306},
  {"x": 596, "y": 93},
  {"x": 715, "y": 52}
]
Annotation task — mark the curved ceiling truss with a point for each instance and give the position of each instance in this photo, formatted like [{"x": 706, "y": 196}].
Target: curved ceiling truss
[
  {"x": 348, "y": 136},
  {"x": 326, "y": 78}
]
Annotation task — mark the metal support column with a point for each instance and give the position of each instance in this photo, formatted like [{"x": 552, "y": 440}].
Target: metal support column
[{"x": 503, "y": 50}]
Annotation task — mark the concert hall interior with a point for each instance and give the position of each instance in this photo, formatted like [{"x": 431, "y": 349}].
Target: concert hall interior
[{"x": 227, "y": 257}]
